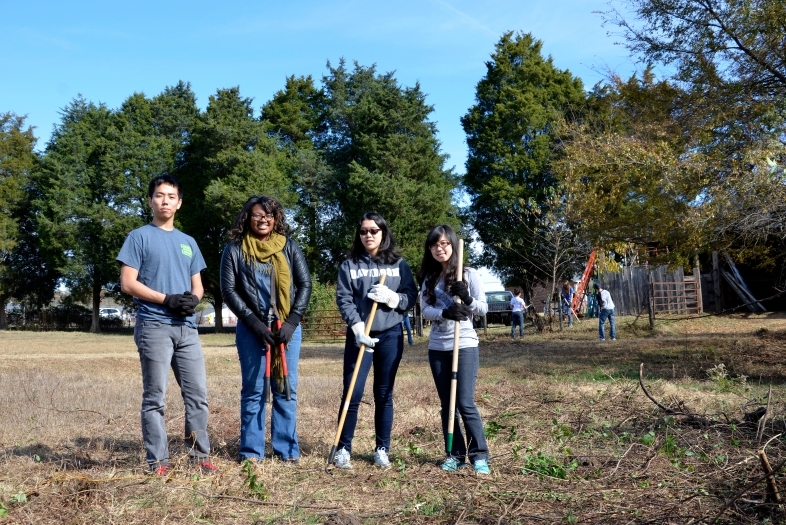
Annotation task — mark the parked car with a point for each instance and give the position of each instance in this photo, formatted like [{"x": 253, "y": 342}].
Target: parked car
[
  {"x": 499, "y": 307},
  {"x": 109, "y": 313}
]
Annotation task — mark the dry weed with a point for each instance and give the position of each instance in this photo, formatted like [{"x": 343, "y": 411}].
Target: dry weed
[{"x": 572, "y": 437}]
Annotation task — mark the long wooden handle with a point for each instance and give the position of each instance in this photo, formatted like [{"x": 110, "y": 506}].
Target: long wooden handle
[
  {"x": 351, "y": 388},
  {"x": 454, "y": 367}
]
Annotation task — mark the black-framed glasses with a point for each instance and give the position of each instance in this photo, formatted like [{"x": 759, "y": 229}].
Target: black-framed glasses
[
  {"x": 372, "y": 231},
  {"x": 441, "y": 244},
  {"x": 260, "y": 217}
]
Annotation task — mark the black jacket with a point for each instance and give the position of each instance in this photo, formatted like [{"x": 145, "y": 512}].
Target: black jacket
[{"x": 239, "y": 284}]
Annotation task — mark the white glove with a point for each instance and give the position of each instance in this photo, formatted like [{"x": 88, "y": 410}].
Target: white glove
[
  {"x": 382, "y": 294},
  {"x": 362, "y": 339}
]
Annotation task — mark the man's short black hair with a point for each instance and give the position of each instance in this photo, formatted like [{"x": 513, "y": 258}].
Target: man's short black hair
[{"x": 164, "y": 179}]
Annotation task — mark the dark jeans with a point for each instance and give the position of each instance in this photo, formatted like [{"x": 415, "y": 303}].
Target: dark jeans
[
  {"x": 441, "y": 369},
  {"x": 162, "y": 346},
  {"x": 517, "y": 318},
  {"x": 385, "y": 360}
]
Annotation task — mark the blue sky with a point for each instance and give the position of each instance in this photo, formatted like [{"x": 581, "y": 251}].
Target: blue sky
[{"x": 52, "y": 51}]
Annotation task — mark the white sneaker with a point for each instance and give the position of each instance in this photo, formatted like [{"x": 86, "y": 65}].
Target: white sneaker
[
  {"x": 381, "y": 458},
  {"x": 342, "y": 459}
]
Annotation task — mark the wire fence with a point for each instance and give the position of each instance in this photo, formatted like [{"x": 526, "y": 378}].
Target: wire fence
[{"x": 325, "y": 325}]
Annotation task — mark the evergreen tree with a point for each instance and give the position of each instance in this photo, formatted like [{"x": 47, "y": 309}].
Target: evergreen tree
[
  {"x": 24, "y": 274},
  {"x": 512, "y": 143},
  {"x": 385, "y": 157},
  {"x": 230, "y": 157},
  {"x": 85, "y": 200}
]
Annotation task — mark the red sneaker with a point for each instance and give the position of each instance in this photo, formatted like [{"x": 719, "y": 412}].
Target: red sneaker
[
  {"x": 207, "y": 468},
  {"x": 162, "y": 470}
]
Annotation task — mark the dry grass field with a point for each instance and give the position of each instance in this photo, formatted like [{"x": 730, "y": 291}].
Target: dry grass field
[{"x": 573, "y": 437}]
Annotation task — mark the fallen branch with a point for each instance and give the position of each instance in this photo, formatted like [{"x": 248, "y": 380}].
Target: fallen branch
[{"x": 683, "y": 417}]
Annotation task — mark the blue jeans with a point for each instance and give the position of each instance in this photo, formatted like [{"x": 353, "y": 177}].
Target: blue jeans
[
  {"x": 517, "y": 318},
  {"x": 607, "y": 313},
  {"x": 408, "y": 328},
  {"x": 283, "y": 416},
  {"x": 160, "y": 347},
  {"x": 442, "y": 370},
  {"x": 385, "y": 359},
  {"x": 567, "y": 310}
]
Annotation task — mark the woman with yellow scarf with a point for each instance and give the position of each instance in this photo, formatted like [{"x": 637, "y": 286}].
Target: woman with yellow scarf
[{"x": 259, "y": 255}]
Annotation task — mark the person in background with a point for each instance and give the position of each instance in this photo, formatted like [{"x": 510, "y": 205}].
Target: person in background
[
  {"x": 439, "y": 275},
  {"x": 606, "y": 305},
  {"x": 407, "y": 327},
  {"x": 517, "y": 307},
  {"x": 159, "y": 267},
  {"x": 260, "y": 258},
  {"x": 567, "y": 301},
  {"x": 372, "y": 254}
]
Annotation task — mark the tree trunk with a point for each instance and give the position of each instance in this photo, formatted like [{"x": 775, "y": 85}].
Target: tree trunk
[
  {"x": 218, "y": 304},
  {"x": 94, "y": 326},
  {"x": 3, "y": 316}
]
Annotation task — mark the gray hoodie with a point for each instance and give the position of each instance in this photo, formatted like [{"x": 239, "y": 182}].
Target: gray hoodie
[{"x": 355, "y": 281}]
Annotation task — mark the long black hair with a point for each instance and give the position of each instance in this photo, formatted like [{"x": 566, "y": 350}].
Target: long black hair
[
  {"x": 431, "y": 269},
  {"x": 270, "y": 205},
  {"x": 387, "y": 253}
]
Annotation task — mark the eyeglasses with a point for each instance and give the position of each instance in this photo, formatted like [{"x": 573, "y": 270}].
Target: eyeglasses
[
  {"x": 440, "y": 244},
  {"x": 259, "y": 217},
  {"x": 372, "y": 231}
]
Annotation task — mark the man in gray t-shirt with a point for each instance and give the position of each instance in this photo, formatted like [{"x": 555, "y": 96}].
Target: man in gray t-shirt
[{"x": 159, "y": 267}]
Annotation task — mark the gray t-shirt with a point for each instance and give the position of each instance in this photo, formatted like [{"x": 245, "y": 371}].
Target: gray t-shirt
[{"x": 166, "y": 260}]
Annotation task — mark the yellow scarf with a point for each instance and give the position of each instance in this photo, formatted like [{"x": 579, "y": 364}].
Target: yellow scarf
[{"x": 271, "y": 251}]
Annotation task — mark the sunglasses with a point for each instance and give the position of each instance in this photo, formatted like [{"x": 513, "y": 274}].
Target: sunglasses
[{"x": 372, "y": 231}]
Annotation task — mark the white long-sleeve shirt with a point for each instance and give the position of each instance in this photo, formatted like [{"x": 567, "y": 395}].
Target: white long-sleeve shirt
[{"x": 441, "y": 337}]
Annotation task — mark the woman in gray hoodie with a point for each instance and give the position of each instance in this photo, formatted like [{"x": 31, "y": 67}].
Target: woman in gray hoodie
[{"x": 373, "y": 253}]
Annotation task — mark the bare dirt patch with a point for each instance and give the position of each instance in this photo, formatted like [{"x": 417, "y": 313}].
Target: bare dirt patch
[{"x": 572, "y": 437}]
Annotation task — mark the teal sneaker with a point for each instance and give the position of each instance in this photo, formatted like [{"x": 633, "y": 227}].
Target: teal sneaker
[
  {"x": 481, "y": 467},
  {"x": 452, "y": 464}
]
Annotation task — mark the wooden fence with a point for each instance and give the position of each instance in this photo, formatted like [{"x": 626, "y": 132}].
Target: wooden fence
[{"x": 671, "y": 292}]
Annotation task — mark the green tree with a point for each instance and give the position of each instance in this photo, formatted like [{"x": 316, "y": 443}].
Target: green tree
[
  {"x": 24, "y": 275},
  {"x": 85, "y": 200},
  {"x": 360, "y": 143},
  {"x": 512, "y": 144},
  {"x": 230, "y": 157},
  {"x": 721, "y": 42},
  {"x": 630, "y": 174},
  {"x": 294, "y": 114},
  {"x": 385, "y": 157}
]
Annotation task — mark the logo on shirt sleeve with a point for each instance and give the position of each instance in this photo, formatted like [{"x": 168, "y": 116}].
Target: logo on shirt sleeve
[{"x": 186, "y": 250}]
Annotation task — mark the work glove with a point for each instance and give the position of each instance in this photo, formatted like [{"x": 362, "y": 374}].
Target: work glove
[
  {"x": 188, "y": 303},
  {"x": 182, "y": 304},
  {"x": 460, "y": 288},
  {"x": 284, "y": 334},
  {"x": 263, "y": 333},
  {"x": 361, "y": 338},
  {"x": 457, "y": 312},
  {"x": 382, "y": 294}
]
